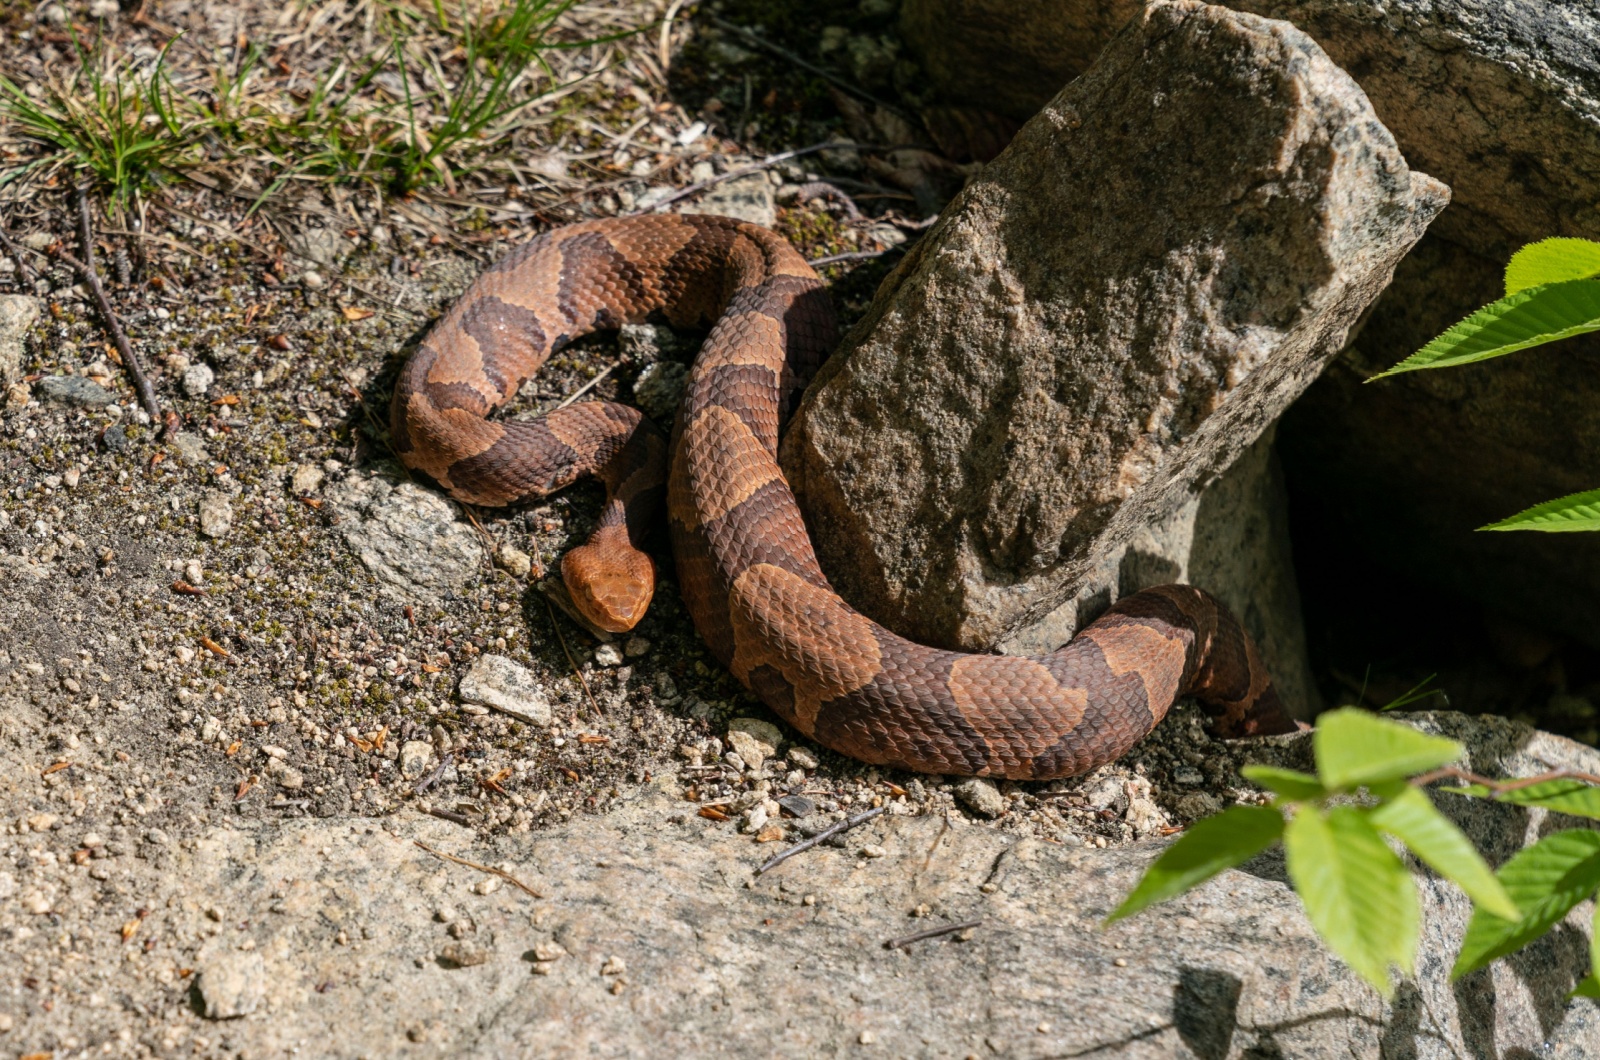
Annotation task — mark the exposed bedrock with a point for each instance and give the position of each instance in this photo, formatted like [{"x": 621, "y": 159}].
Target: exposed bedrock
[
  {"x": 653, "y": 938},
  {"x": 1104, "y": 319}
]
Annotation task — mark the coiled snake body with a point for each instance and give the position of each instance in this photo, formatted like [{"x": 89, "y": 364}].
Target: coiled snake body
[{"x": 745, "y": 563}]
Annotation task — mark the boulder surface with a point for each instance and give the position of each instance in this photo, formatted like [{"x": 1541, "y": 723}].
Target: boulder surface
[{"x": 1102, "y": 321}]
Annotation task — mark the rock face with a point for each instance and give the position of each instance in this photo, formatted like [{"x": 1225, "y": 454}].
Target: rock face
[
  {"x": 1498, "y": 100},
  {"x": 1104, "y": 319},
  {"x": 652, "y": 937}
]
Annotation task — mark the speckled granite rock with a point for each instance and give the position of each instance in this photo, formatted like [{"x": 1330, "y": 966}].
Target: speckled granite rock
[
  {"x": 406, "y": 535},
  {"x": 344, "y": 938},
  {"x": 1101, "y": 322}
]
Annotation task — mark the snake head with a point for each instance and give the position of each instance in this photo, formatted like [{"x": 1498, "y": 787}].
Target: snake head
[{"x": 611, "y": 582}]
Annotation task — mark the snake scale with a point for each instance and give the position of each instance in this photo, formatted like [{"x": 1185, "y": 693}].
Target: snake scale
[{"x": 745, "y": 564}]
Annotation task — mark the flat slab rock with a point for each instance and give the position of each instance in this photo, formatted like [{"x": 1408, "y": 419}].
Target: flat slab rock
[
  {"x": 407, "y": 535},
  {"x": 1101, "y": 322},
  {"x": 343, "y": 938}
]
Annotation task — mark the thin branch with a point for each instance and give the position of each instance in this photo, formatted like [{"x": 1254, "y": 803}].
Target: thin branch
[
  {"x": 130, "y": 361},
  {"x": 490, "y": 869},
  {"x": 29, "y": 277},
  {"x": 826, "y": 74},
  {"x": 568, "y": 652},
  {"x": 932, "y": 933},
  {"x": 585, "y": 388},
  {"x": 754, "y": 167},
  {"x": 433, "y": 778},
  {"x": 821, "y": 837},
  {"x": 856, "y": 255},
  {"x": 1500, "y": 787}
]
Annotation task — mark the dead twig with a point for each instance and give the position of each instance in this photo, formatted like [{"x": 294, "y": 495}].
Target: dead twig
[
  {"x": 433, "y": 778},
  {"x": 585, "y": 388},
  {"x": 29, "y": 277},
  {"x": 130, "y": 361},
  {"x": 932, "y": 933},
  {"x": 581, "y": 679},
  {"x": 821, "y": 837},
  {"x": 490, "y": 869},
  {"x": 856, "y": 255},
  {"x": 744, "y": 171},
  {"x": 827, "y": 75}
]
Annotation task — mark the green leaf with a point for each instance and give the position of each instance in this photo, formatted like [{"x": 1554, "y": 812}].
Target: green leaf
[
  {"x": 1589, "y": 986},
  {"x": 1578, "y": 511},
  {"x": 1354, "y": 748},
  {"x": 1232, "y": 837},
  {"x": 1285, "y": 782},
  {"x": 1357, "y": 893},
  {"x": 1552, "y": 261},
  {"x": 1531, "y": 317},
  {"x": 1412, "y": 818},
  {"x": 1545, "y": 880},
  {"x": 1575, "y": 797}
]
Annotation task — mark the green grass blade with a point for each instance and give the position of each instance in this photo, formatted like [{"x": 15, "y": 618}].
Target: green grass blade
[
  {"x": 1354, "y": 749},
  {"x": 1531, "y": 317},
  {"x": 1545, "y": 881},
  {"x": 1357, "y": 893},
  {"x": 1231, "y": 838},
  {"x": 1552, "y": 261},
  {"x": 1577, "y": 511},
  {"x": 1412, "y": 818}
]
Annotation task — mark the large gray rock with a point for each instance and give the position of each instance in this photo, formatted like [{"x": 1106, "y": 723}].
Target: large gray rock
[
  {"x": 652, "y": 937},
  {"x": 1103, "y": 320},
  {"x": 1498, "y": 99}
]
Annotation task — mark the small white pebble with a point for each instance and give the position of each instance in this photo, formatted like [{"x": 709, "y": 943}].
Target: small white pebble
[
  {"x": 867, "y": 1038},
  {"x": 1121, "y": 962},
  {"x": 607, "y": 655}
]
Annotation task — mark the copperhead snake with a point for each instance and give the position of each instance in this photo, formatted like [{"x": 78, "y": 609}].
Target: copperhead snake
[{"x": 745, "y": 565}]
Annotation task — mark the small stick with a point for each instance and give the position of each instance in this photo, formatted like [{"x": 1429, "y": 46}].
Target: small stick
[
  {"x": 745, "y": 171},
  {"x": 433, "y": 778},
  {"x": 821, "y": 837},
  {"x": 449, "y": 815},
  {"x": 857, "y": 255},
  {"x": 821, "y": 189},
  {"x": 490, "y": 869},
  {"x": 28, "y": 276},
  {"x": 147, "y": 394},
  {"x": 581, "y": 679},
  {"x": 932, "y": 933},
  {"x": 585, "y": 388},
  {"x": 827, "y": 75}
]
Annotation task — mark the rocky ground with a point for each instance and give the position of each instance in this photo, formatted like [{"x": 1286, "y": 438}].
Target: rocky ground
[
  {"x": 299, "y": 757},
  {"x": 245, "y": 617}
]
